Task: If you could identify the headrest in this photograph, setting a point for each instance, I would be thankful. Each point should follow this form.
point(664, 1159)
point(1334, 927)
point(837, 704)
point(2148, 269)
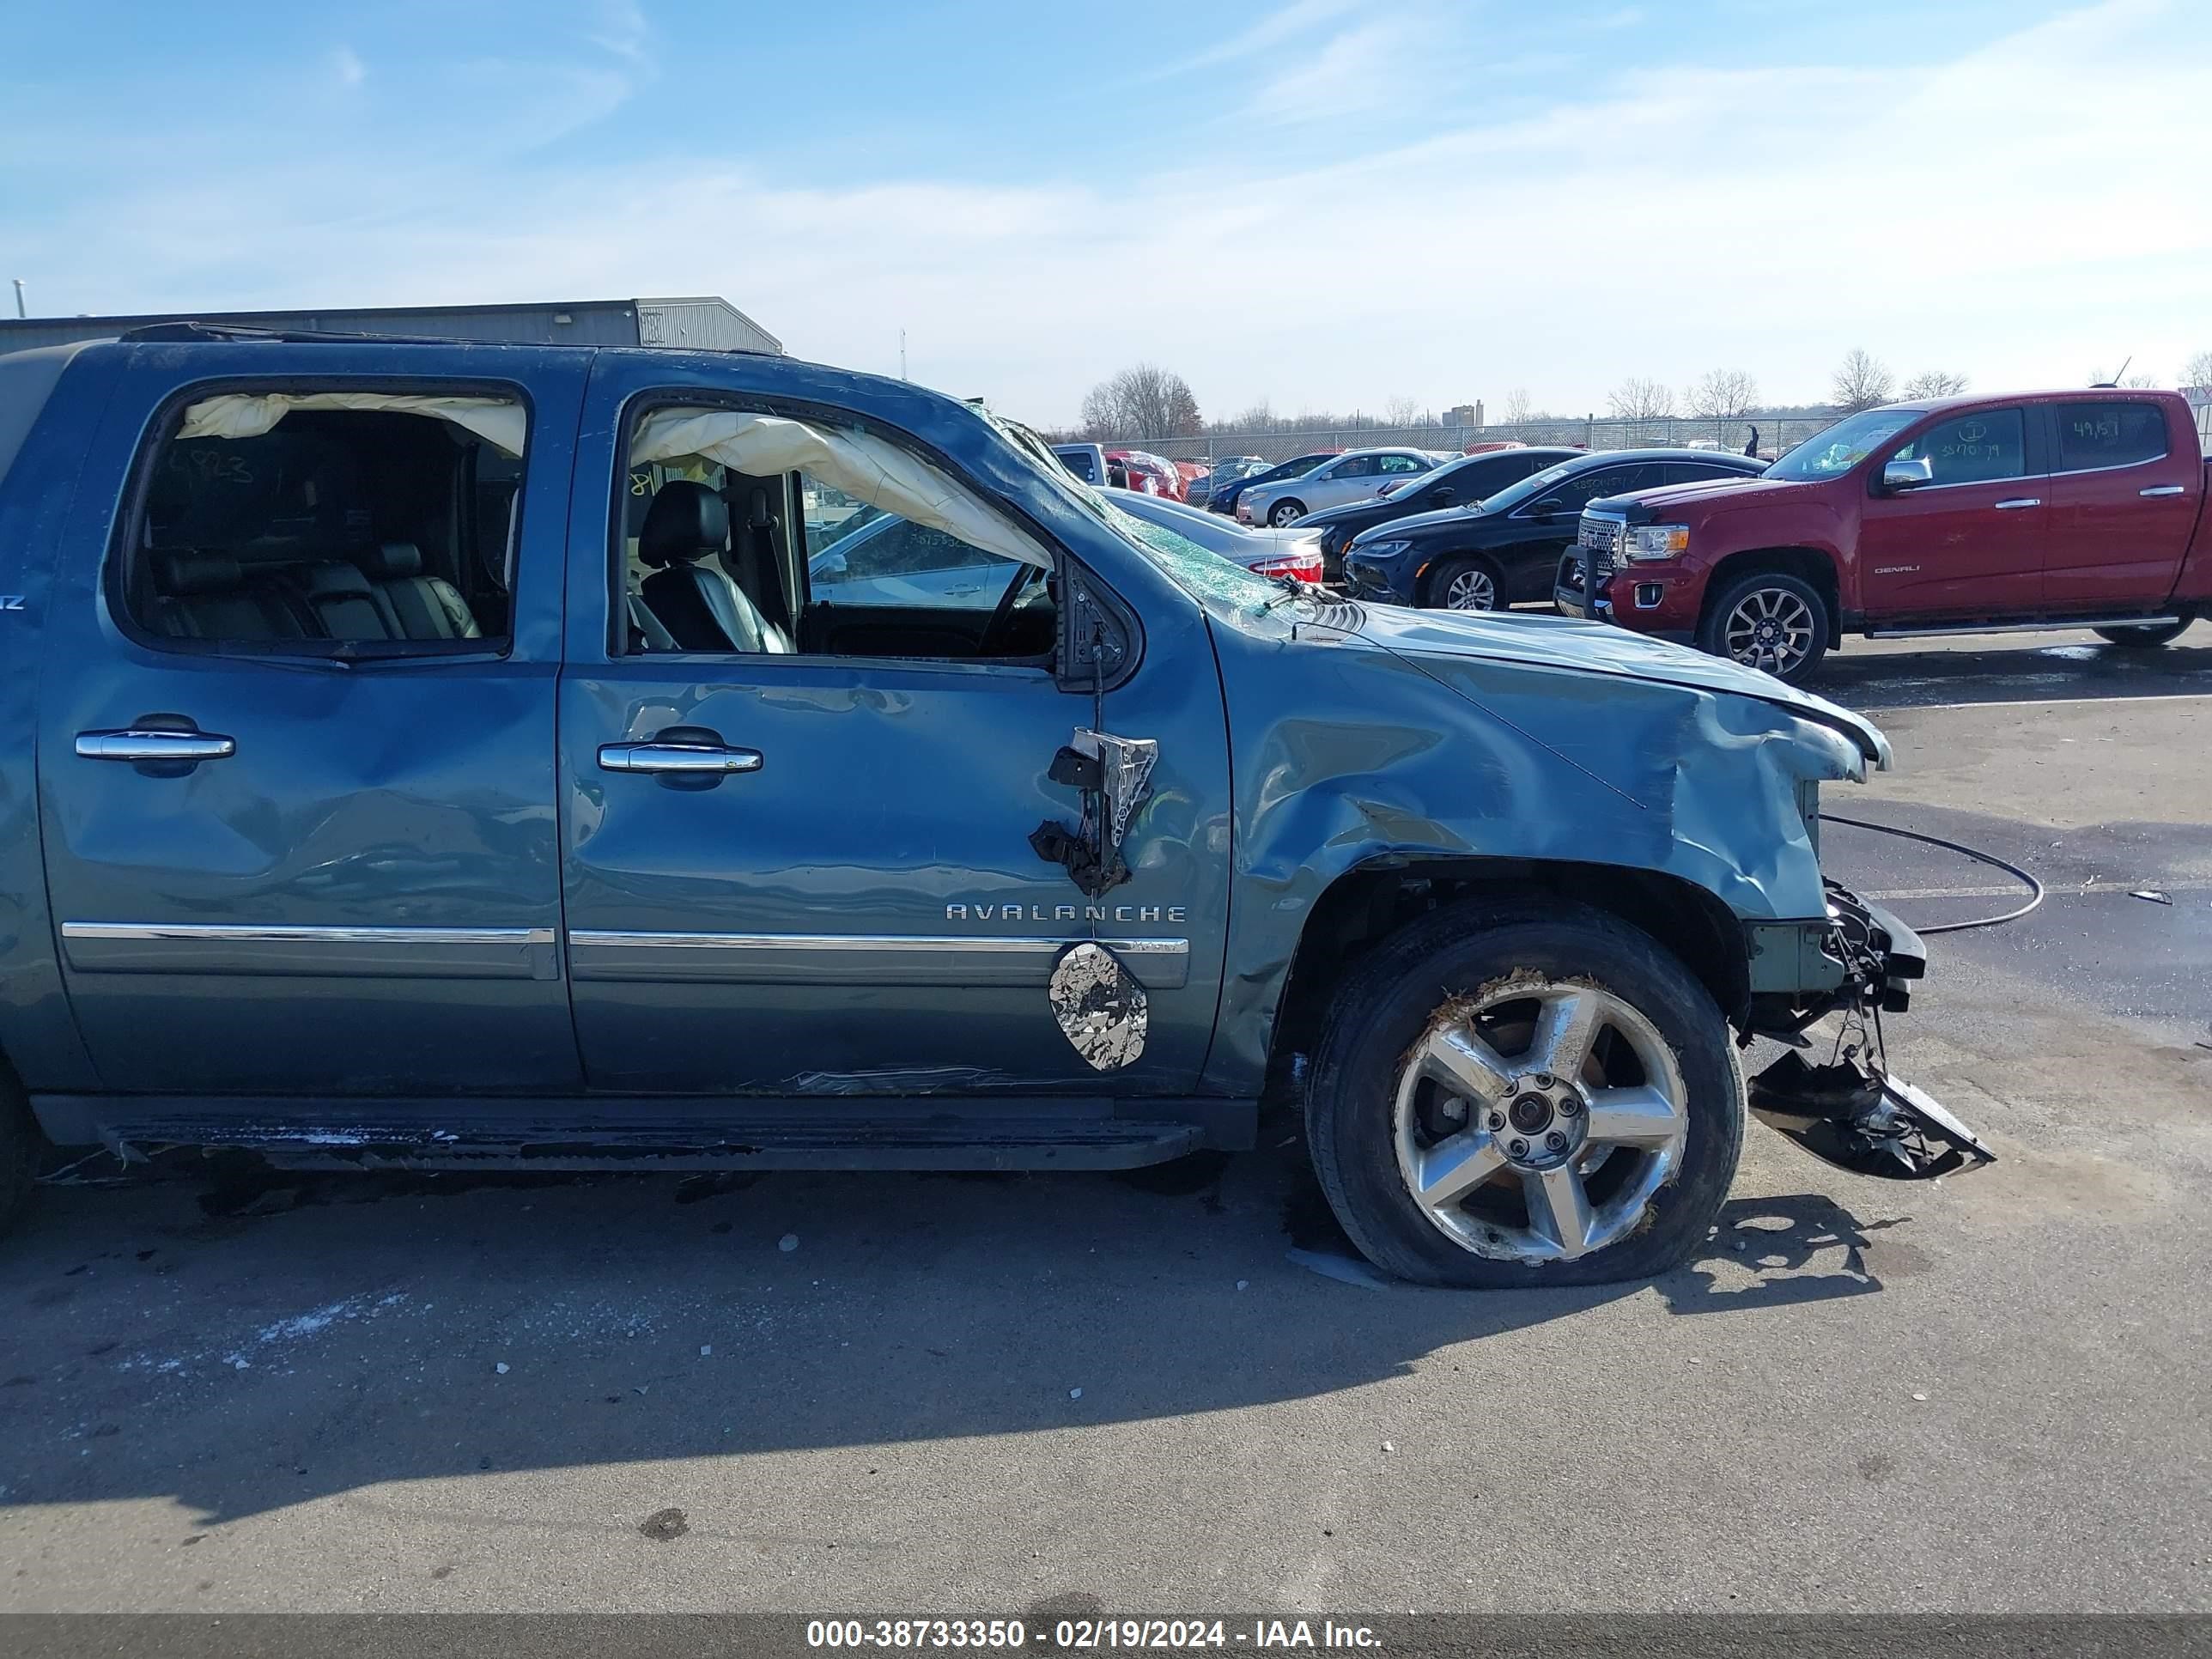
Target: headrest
point(333, 581)
point(392, 562)
point(758, 516)
point(197, 572)
point(686, 521)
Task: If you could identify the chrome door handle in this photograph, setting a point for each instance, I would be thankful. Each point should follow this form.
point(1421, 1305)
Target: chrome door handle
point(2165, 490)
point(139, 744)
point(2019, 501)
point(694, 760)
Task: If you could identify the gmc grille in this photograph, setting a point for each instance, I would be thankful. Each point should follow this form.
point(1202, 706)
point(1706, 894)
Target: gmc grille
point(1601, 540)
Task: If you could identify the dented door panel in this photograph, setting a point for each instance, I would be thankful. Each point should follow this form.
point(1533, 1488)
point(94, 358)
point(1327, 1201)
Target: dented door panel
point(864, 913)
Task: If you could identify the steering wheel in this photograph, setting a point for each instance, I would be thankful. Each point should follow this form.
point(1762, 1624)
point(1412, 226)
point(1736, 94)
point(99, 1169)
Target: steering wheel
point(1002, 614)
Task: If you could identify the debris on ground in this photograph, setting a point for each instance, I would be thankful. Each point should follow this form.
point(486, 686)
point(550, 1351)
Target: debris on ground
point(2152, 894)
point(664, 1526)
point(501, 1368)
point(787, 1243)
point(1075, 1394)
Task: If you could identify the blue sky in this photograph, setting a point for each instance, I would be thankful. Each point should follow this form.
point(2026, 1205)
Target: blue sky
point(1317, 204)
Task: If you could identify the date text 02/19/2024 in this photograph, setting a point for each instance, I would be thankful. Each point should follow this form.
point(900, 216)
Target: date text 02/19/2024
point(1087, 1635)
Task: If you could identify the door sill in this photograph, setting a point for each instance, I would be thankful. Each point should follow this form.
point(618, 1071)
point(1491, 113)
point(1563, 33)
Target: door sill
point(661, 1132)
point(2040, 625)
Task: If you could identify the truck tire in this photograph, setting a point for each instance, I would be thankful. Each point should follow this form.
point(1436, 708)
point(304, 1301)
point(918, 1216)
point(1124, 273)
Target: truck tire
point(20, 1144)
point(1284, 513)
point(1769, 620)
point(2141, 639)
point(1453, 1155)
point(1466, 584)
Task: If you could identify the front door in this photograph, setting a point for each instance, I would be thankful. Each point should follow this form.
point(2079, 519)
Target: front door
point(1970, 543)
point(296, 743)
point(850, 903)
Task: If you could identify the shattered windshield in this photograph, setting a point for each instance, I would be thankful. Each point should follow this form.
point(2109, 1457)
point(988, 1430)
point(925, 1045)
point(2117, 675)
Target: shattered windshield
point(1202, 575)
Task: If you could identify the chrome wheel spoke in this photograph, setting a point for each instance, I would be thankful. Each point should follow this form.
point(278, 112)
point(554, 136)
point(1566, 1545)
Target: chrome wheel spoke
point(1472, 1126)
point(1453, 1168)
point(1559, 1208)
point(1467, 1065)
point(1638, 1115)
point(1565, 1028)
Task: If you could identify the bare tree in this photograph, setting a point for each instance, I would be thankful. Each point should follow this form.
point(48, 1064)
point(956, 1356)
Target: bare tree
point(2143, 380)
point(2198, 371)
point(1862, 382)
point(1401, 411)
point(1724, 394)
point(1935, 383)
point(1146, 403)
point(1514, 410)
point(1641, 400)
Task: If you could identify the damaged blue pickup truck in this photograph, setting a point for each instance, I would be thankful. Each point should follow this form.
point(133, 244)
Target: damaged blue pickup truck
point(429, 753)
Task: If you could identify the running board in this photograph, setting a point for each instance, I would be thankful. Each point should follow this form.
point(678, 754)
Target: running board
point(2070, 626)
point(658, 1133)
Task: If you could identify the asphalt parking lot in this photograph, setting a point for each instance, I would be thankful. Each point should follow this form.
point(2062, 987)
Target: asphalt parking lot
point(1178, 1393)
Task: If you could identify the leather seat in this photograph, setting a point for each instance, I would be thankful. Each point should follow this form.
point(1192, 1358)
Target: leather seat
point(686, 532)
point(341, 602)
point(206, 596)
point(417, 606)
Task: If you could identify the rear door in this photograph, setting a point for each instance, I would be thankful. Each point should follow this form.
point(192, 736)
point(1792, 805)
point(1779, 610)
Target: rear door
point(1970, 543)
point(2124, 498)
point(299, 822)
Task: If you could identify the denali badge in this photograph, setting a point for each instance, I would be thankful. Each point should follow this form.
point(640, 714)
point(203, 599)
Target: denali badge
point(12, 601)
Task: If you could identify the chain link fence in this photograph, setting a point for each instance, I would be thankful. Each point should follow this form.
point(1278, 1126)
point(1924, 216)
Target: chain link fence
point(1775, 434)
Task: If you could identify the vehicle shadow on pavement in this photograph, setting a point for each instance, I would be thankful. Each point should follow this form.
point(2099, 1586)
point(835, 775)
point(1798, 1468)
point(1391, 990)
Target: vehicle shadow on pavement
point(239, 1349)
point(2023, 666)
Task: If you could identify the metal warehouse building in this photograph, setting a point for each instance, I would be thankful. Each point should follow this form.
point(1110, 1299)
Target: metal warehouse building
point(705, 324)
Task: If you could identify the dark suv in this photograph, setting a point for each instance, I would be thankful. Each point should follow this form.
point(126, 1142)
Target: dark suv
point(1507, 549)
point(1455, 483)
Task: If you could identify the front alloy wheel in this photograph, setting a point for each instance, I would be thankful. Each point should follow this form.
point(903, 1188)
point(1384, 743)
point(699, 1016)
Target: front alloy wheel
point(1771, 621)
point(1524, 1091)
point(1284, 513)
point(1467, 586)
point(1535, 1125)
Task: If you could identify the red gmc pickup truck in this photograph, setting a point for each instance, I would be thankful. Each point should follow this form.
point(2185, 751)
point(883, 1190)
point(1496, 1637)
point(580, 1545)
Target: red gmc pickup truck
point(2043, 509)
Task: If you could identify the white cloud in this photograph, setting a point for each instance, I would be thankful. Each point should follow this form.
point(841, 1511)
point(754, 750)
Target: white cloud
point(1358, 71)
point(346, 65)
point(2017, 214)
point(1273, 30)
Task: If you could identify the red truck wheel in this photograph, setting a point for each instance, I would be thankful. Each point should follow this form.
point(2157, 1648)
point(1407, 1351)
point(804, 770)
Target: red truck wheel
point(1769, 620)
point(2141, 638)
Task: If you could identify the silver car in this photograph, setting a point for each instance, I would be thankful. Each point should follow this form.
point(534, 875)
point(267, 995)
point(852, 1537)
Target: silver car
point(1359, 475)
point(1263, 552)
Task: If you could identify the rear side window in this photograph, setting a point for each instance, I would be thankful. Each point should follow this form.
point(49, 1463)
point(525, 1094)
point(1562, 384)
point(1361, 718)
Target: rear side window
point(308, 520)
point(2109, 434)
point(1981, 447)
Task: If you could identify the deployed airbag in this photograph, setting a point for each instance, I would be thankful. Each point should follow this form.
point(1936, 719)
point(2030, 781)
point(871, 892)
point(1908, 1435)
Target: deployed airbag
point(249, 414)
point(864, 466)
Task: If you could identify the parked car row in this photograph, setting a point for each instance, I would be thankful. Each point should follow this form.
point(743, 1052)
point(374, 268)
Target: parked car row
point(1990, 514)
point(2057, 509)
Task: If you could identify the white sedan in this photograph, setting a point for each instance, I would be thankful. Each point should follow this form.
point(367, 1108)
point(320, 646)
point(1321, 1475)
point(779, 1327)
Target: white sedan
point(1358, 475)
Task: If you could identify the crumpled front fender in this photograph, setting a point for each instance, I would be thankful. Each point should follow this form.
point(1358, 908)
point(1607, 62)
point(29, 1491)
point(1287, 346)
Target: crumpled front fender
point(1347, 753)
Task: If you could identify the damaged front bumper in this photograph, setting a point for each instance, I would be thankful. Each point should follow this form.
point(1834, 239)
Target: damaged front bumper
point(1847, 1109)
